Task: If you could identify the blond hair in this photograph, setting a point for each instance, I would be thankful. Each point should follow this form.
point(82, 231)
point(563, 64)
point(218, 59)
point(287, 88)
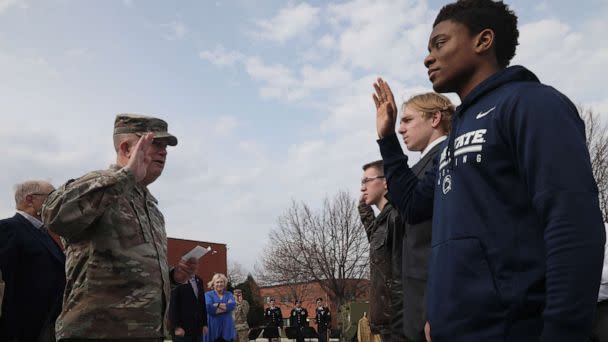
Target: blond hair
point(431, 103)
point(216, 277)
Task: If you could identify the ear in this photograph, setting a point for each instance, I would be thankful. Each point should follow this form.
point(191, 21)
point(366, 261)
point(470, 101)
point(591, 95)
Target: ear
point(124, 148)
point(29, 200)
point(436, 119)
point(484, 41)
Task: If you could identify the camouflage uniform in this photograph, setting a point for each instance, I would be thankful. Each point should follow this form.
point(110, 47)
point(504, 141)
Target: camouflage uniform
point(118, 281)
point(240, 320)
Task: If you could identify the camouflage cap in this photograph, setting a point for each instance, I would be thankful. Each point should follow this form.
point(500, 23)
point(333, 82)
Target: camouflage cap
point(138, 124)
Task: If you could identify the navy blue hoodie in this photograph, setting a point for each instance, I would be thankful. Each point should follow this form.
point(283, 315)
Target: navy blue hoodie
point(518, 237)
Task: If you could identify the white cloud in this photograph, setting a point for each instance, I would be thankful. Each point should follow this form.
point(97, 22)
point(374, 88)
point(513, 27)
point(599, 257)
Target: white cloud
point(277, 80)
point(388, 37)
point(225, 125)
point(220, 57)
point(177, 30)
point(567, 59)
point(327, 42)
point(78, 53)
point(289, 22)
point(7, 4)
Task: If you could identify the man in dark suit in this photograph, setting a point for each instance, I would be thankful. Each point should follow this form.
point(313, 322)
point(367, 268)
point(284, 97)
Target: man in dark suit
point(188, 311)
point(424, 124)
point(32, 266)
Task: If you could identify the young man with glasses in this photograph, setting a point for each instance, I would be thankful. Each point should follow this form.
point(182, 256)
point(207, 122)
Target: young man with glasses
point(385, 235)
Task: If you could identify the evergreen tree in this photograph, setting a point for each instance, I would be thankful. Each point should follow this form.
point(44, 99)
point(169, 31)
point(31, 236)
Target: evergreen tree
point(251, 292)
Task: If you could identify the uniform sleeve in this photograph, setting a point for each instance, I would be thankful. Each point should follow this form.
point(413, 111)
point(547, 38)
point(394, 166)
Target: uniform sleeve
point(547, 138)
point(72, 208)
point(367, 218)
point(413, 197)
point(245, 308)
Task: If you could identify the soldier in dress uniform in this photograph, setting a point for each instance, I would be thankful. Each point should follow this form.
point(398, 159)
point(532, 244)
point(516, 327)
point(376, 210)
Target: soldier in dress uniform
point(274, 320)
point(298, 319)
point(323, 318)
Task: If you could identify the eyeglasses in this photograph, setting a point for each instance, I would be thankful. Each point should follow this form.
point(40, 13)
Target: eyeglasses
point(40, 194)
point(369, 179)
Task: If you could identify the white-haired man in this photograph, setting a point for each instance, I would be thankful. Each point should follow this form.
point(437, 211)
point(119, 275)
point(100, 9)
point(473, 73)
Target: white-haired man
point(32, 266)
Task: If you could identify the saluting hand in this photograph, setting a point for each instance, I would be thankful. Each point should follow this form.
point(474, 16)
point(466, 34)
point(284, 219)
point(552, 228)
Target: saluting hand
point(386, 109)
point(140, 157)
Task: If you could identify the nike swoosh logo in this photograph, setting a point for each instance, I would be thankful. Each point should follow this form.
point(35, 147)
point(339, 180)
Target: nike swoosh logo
point(482, 114)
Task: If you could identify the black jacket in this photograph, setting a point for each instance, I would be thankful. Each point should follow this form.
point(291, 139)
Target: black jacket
point(416, 255)
point(297, 318)
point(274, 317)
point(33, 269)
point(323, 318)
point(186, 310)
point(385, 236)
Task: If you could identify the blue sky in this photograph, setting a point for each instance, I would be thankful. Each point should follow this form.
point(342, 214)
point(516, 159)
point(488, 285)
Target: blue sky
point(271, 100)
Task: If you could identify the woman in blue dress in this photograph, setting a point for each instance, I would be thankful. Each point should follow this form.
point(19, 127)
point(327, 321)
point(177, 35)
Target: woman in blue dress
point(220, 304)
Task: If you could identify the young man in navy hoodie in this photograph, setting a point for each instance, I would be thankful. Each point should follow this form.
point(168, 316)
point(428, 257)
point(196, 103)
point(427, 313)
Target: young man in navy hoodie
point(518, 238)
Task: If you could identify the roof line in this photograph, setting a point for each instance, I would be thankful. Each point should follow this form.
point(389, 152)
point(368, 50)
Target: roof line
point(213, 243)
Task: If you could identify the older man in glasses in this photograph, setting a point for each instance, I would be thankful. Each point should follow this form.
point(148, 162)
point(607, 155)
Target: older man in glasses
point(32, 266)
point(118, 277)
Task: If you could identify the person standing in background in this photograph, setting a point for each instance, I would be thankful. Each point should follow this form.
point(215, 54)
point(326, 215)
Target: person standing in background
point(33, 269)
point(240, 316)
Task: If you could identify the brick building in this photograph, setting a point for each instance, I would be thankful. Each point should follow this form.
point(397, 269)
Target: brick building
point(211, 263)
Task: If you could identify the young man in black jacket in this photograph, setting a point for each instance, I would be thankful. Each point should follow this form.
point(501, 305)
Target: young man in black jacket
point(518, 238)
point(385, 235)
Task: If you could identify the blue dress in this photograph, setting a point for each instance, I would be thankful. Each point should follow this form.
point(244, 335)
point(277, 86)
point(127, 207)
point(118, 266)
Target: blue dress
point(220, 325)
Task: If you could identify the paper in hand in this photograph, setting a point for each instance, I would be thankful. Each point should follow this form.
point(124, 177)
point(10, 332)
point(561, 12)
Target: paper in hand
point(196, 252)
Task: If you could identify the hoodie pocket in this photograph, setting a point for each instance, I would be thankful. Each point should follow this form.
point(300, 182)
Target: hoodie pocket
point(463, 295)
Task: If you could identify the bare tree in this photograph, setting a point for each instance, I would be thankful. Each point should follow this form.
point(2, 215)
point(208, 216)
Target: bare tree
point(597, 142)
point(236, 273)
point(327, 246)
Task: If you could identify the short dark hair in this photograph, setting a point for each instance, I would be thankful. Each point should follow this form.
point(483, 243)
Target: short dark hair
point(378, 164)
point(478, 15)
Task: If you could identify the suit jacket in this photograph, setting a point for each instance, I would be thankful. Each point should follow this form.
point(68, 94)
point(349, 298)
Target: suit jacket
point(186, 310)
point(415, 257)
point(33, 269)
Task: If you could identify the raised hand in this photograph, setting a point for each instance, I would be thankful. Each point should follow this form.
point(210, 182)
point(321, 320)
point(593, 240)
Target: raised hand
point(386, 109)
point(184, 270)
point(140, 157)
